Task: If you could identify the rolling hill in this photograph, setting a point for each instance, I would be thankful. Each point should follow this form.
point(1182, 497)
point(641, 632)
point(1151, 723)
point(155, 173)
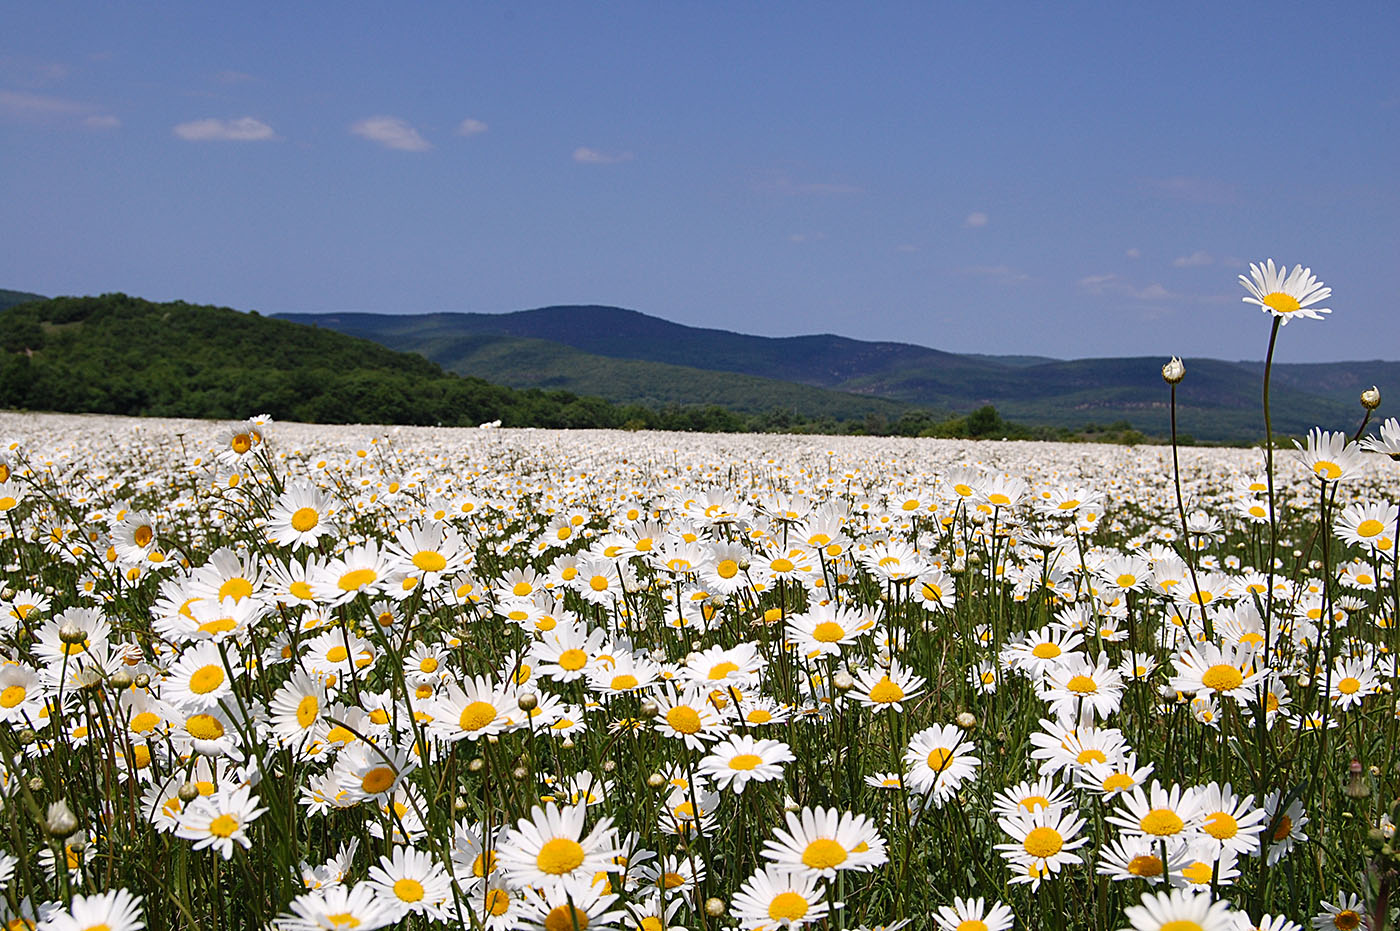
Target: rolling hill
point(627, 356)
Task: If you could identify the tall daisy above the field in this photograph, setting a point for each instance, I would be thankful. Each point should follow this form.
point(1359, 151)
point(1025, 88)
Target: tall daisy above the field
point(1284, 294)
point(1329, 456)
point(300, 517)
point(220, 820)
point(741, 759)
point(116, 910)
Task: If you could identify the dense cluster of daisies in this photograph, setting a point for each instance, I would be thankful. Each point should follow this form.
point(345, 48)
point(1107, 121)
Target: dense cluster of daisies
point(309, 678)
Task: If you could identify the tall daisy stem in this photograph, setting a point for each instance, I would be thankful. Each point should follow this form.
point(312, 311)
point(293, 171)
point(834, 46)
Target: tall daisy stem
point(1269, 478)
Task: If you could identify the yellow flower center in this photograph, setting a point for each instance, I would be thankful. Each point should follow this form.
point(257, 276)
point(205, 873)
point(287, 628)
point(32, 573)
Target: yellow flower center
point(430, 561)
point(1347, 920)
point(241, 443)
point(823, 854)
point(1198, 873)
point(497, 901)
point(1328, 470)
point(236, 588)
point(140, 724)
point(377, 780)
point(1222, 825)
point(787, 906)
point(1285, 826)
point(1117, 781)
point(337, 654)
point(1145, 865)
point(356, 579)
point(1349, 686)
point(939, 758)
point(599, 583)
point(484, 863)
point(745, 761)
point(223, 826)
point(1161, 822)
point(720, 670)
point(623, 682)
point(408, 890)
point(304, 519)
point(1091, 755)
point(563, 918)
point(476, 716)
point(1082, 685)
point(683, 719)
point(1043, 842)
point(559, 855)
point(782, 564)
point(204, 727)
point(206, 679)
point(572, 660)
point(1033, 802)
point(886, 691)
point(971, 924)
point(828, 632)
point(1369, 528)
point(12, 696)
point(1281, 303)
point(1045, 651)
point(1222, 678)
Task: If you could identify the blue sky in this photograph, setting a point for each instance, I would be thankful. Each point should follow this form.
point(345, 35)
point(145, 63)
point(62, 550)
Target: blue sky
point(1061, 179)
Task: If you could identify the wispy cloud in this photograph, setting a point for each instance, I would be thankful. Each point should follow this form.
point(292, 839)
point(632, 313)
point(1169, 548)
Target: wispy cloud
point(783, 184)
point(392, 133)
point(976, 220)
point(587, 156)
point(1197, 259)
point(470, 127)
point(25, 106)
point(243, 129)
point(995, 272)
point(1112, 285)
point(1133, 253)
point(1193, 189)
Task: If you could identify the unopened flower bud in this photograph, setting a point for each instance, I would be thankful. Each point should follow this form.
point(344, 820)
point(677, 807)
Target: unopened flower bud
point(656, 780)
point(1174, 371)
point(121, 679)
point(520, 774)
point(843, 681)
point(610, 766)
point(60, 821)
point(649, 709)
point(71, 633)
point(36, 784)
point(714, 907)
point(142, 680)
point(187, 792)
point(567, 743)
point(476, 765)
point(459, 804)
point(967, 720)
point(1371, 398)
point(528, 701)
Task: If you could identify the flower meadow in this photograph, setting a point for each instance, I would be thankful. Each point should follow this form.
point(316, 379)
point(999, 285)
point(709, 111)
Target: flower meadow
point(276, 675)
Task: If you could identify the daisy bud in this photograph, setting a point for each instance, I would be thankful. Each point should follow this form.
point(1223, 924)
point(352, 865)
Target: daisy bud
point(1173, 372)
point(745, 562)
point(649, 709)
point(843, 681)
point(188, 792)
point(1371, 398)
point(790, 804)
point(36, 784)
point(121, 679)
point(459, 804)
point(60, 821)
point(520, 774)
point(142, 680)
point(71, 633)
point(967, 720)
point(476, 765)
point(610, 766)
point(656, 780)
point(528, 701)
point(27, 736)
point(492, 739)
point(714, 907)
point(567, 743)
point(1356, 787)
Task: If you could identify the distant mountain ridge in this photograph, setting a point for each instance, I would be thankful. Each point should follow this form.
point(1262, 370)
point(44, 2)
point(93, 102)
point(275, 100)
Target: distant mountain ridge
point(628, 356)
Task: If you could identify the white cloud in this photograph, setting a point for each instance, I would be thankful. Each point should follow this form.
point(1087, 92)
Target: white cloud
point(392, 133)
point(1111, 285)
point(1134, 253)
point(470, 127)
point(102, 122)
point(1196, 259)
point(996, 272)
point(23, 103)
point(976, 219)
point(586, 156)
point(243, 129)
